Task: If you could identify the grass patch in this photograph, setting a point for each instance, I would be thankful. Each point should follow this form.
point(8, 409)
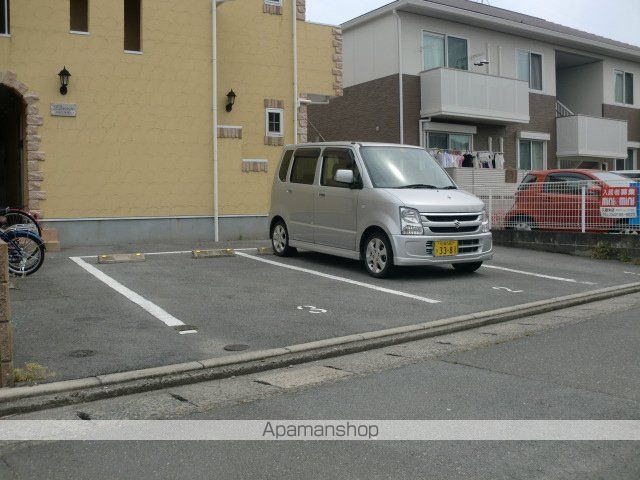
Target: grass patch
point(32, 372)
point(602, 251)
point(624, 256)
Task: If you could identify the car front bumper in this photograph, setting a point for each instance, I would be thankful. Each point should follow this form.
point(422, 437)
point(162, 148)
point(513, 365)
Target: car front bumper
point(418, 250)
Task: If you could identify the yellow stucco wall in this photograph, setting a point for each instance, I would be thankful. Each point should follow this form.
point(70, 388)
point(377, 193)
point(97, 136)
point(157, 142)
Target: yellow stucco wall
point(141, 144)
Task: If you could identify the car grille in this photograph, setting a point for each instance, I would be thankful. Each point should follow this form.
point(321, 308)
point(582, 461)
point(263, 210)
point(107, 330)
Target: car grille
point(451, 223)
point(464, 247)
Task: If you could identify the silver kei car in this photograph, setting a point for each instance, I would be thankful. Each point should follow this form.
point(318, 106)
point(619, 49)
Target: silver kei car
point(386, 205)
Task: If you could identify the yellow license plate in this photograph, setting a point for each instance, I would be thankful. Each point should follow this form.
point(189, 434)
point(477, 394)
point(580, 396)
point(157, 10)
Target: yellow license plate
point(445, 249)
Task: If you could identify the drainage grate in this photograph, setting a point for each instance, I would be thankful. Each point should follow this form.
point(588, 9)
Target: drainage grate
point(236, 347)
point(82, 353)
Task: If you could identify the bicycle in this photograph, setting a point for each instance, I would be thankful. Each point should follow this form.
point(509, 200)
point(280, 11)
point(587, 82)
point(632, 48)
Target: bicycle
point(26, 251)
point(18, 218)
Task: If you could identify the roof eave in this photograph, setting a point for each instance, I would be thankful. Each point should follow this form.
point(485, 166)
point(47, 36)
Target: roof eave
point(445, 12)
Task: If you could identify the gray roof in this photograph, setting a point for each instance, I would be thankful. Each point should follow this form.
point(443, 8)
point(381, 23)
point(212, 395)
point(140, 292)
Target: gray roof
point(487, 12)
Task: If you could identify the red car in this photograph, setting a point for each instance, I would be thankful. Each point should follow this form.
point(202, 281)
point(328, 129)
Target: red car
point(553, 200)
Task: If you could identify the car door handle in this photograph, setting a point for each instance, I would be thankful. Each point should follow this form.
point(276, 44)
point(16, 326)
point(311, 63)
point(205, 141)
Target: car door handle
point(322, 194)
point(289, 190)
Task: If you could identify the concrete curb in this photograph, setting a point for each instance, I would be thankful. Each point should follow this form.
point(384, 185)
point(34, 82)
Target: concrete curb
point(25, 399)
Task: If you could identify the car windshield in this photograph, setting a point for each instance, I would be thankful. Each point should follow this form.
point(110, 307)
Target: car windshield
point(402, 167)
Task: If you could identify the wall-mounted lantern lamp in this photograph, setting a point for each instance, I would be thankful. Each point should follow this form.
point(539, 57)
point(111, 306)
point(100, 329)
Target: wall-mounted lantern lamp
point(231, 99)
point(64, 80)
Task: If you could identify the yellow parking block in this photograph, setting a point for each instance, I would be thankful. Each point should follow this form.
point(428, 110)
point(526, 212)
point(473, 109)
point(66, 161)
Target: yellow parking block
point(214, 253)
point(121, 258)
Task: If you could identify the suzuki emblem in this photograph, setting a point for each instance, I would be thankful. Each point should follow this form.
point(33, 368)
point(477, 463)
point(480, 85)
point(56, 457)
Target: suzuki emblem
point(457, 224)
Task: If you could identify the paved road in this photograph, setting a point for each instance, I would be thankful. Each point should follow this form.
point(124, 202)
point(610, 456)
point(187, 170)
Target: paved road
point(68, 321)
point(579, 369)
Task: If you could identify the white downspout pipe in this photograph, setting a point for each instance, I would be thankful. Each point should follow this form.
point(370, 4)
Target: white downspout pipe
point(214, 95)
point(400, 85)
point(296, 102)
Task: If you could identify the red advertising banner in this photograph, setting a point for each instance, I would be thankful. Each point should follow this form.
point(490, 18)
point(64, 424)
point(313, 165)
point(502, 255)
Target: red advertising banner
point(619, 202)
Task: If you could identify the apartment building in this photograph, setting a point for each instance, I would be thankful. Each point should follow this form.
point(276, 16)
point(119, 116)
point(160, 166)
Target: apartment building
point(155, 120)
point(460, 75)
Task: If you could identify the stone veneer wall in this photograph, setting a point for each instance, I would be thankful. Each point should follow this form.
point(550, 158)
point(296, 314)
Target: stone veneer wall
point(6, 336)
point(33, 154)
point(631, 115)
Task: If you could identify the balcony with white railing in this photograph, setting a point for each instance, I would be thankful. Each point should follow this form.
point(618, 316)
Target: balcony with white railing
point(596, 137)
point(463, 95)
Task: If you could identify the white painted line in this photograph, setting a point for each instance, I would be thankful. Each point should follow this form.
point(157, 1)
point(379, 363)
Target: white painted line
point(539, 275)
point(178, 252)
point(339, 279)
point(152, 308)
point(188, 332)
point(633, 273)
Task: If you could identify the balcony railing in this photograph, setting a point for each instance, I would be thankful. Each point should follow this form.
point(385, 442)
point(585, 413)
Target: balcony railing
point(464, 95)
point(585, 136)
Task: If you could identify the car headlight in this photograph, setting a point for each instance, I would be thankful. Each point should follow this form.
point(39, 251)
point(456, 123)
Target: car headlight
point(484, 227)
point(410, 222)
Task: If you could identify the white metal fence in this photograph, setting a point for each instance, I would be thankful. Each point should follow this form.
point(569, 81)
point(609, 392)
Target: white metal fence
point(579, 205)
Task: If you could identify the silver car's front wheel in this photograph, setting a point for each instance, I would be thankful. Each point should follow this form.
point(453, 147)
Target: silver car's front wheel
point(378, 258)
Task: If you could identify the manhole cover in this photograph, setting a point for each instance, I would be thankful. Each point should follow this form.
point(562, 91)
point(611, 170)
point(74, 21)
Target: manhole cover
point(82, 353)
point(236, 348)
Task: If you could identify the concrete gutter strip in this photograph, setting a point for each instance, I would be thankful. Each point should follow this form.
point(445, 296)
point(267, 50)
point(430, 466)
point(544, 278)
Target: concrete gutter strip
point(116, 384)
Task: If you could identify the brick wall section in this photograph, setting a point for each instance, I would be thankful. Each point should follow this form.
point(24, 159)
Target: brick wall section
point(631, 115)
point(412, 104)
point(367, 112)
point(6, 336)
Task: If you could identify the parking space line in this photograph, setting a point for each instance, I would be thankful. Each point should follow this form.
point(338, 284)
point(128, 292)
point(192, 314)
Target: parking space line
point(539, 275)
point(132, 296)
point(339, 279)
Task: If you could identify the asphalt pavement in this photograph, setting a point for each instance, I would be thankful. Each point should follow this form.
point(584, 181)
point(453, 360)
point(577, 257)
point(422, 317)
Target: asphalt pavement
point(69, 321)
point(583, 369)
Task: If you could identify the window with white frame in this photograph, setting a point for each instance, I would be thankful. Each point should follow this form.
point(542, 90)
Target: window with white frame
point(628, 163)
point(449, 141)
point(277, 3)
point(623, 87)
point(4, 18)
point(530, 68)
point(274, 122)
point(79, 16)
point(444, 51)
point(532, 155)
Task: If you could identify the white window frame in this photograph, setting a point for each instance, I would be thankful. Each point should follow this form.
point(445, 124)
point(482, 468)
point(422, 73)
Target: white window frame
point(624, 73)
point(532, 52)
point(448, 134)
point(545, 144)
point(634, 160)
point(276, 3)
point(279, 111)
point(80, 32)
point(446, 48)
point(6, 19)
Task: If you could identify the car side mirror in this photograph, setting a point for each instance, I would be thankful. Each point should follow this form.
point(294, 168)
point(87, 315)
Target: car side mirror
point(345, 176)
point(595, 190)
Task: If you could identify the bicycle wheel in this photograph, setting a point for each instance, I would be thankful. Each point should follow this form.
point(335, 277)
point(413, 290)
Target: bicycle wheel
point(26, 252)
point(14, 219)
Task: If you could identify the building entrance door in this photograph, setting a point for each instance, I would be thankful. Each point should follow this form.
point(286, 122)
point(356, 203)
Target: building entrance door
point(12, 179)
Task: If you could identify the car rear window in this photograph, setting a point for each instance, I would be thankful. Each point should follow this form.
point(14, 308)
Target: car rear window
point(527, 182)
point(304, 166)
point(284, 166)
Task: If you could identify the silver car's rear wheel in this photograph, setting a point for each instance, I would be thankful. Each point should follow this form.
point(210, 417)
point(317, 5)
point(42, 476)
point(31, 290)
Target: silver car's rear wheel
point(280, 240)
point(378, 257)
